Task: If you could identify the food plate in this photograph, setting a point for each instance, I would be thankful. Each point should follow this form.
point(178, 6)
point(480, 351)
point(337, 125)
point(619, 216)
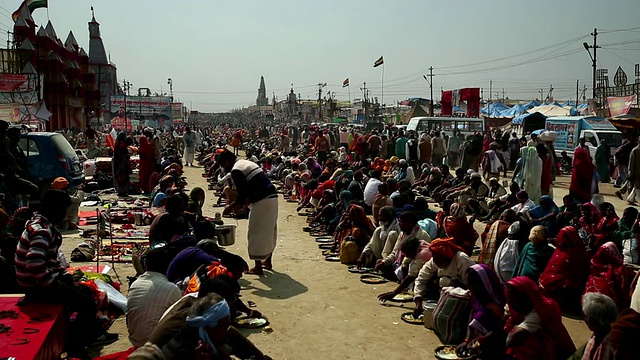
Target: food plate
point(409, 319)
point(325, 246)
point(404, 297)
point(324, 239)
point(448, 352)
point(330, 253)
point(332, 258)
point(363, 270)
point(318, 234)
point(250, 323)
point(373, 279)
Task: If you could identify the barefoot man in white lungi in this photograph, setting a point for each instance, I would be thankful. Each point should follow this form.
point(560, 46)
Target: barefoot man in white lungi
point(255, 188)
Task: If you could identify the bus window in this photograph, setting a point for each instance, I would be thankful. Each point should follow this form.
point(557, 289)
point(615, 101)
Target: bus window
point(475, 126)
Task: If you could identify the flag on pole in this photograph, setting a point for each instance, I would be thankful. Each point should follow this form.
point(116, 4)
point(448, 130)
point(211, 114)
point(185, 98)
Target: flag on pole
point(345, 83)
point(31, 5)
point(379, 62)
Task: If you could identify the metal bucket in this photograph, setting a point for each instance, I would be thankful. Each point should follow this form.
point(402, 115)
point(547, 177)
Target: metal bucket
point(428, 307)
point(226, 234)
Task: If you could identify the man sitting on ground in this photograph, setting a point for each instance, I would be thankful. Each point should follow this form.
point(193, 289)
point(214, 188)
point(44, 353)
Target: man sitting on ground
point(149, 296)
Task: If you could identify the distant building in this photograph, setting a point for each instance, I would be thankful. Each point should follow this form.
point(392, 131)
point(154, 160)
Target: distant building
point(106, 72)
point(262, 94)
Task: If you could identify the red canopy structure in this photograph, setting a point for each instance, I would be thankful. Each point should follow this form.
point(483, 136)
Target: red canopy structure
point(469, 97)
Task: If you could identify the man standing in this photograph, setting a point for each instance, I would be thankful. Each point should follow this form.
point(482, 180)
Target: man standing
point(437, 149)
point(453, 149)
point(322, 145)
point(634, 175)
point(401, 143)
point(375, 142)
point(412, 150)
point(189, 139)
point(514, 149)
point(91, 136)
point(425, 149)
point(254, 187)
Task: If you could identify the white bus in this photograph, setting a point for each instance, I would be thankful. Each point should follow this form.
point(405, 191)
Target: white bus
point(446, 124)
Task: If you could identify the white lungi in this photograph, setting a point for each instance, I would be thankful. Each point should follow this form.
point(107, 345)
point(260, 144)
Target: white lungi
point(189, 154)
point(262, 234)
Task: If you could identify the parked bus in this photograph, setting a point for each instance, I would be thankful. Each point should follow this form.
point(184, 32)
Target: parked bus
point(447, 124)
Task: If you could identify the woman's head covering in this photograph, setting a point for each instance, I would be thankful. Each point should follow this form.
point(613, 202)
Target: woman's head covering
point(626, 331)
point(346, 196)
point(193, 194)
point(484, 319)
point(457, 211)
point(209, 319)
point(522, 195)
point(444, 247)
point(538, 235)
point(159, 199)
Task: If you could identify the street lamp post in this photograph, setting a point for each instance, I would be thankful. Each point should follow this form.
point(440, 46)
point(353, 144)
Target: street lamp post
point(430, 81)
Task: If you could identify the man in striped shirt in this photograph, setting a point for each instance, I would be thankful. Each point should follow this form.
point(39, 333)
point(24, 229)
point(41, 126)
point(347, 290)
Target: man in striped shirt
point(43, 278)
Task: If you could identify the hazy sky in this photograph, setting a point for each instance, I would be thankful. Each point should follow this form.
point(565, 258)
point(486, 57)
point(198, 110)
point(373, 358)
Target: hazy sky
point(216, 50)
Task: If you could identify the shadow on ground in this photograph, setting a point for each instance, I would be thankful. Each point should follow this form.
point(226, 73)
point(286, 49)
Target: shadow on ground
point(281, 286)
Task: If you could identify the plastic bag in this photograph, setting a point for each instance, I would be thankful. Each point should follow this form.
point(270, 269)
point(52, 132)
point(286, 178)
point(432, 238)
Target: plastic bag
point(115, 297)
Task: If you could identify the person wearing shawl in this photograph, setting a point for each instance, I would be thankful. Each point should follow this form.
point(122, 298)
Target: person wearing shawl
point(447, 267)
point(535, 255)
point(398, 264)
point(459, 229)
point(495, 235)
point(567, 271)
point(121, 164)
point(626, 226)
point(207, 329)
point(418, 253)
point(590, 218)
point(547, 169)
point(608, 275)
point(532, 174)
point(508, 252)
point(382, 199)
point(544, 214)
point(383, 239)
point(582, 174)
point(607, 226)
point(624, 335)
point(534, 324)
point(196, 201)
point(484, 333)
point(147, 159)
point(599, 312)
point(356, 225)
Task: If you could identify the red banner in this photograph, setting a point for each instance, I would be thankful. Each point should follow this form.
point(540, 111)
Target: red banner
point(619, 106)
point(11, 82)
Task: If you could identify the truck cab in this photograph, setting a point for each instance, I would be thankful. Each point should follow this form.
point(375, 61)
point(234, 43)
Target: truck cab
point(593, 129)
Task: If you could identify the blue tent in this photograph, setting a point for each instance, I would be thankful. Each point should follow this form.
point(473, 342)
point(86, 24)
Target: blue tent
point(494, 109)
point(457, 109)
point(583, 106)
point(514, 111)
point(531, 104)
point(568, 103)
point(519, 120)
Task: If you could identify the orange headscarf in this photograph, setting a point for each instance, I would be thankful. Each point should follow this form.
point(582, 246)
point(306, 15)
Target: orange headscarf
point(444, 247)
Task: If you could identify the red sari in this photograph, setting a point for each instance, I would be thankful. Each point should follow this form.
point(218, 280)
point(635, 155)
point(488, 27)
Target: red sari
point(553, 340)
point(462, 232)
point(568, 269)
point(609, 276)
point(582, 175)
point(146, 152)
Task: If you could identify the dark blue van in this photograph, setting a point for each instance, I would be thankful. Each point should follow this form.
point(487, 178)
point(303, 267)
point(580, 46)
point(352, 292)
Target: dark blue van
point(49, 155)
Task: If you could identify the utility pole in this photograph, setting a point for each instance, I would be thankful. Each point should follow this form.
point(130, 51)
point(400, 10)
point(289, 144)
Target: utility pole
point(577, 92)
point(503, 95)
point(541, 95)
point(490, 89)
point(366, 100)
point(126, 87)
point(594, 58)
point(550, 92)
point(320, 86)
point(431, 90)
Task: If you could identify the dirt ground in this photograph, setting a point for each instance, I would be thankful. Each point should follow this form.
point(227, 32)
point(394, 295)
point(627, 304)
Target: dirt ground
point(318, 308)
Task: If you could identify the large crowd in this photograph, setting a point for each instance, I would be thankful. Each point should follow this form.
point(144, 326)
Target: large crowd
point(401, 205)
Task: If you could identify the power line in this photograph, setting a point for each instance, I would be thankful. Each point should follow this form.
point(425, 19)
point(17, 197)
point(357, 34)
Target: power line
point(619, 57)
point(608, 31)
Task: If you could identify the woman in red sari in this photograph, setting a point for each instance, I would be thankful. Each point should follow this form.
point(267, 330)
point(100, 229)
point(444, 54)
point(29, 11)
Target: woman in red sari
point(534, 326)
point(609, 276)
point(458, 227)
point(582, 175)
point(564, 278)
point(606, 227)
point(355, 223)
point(147, 160)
